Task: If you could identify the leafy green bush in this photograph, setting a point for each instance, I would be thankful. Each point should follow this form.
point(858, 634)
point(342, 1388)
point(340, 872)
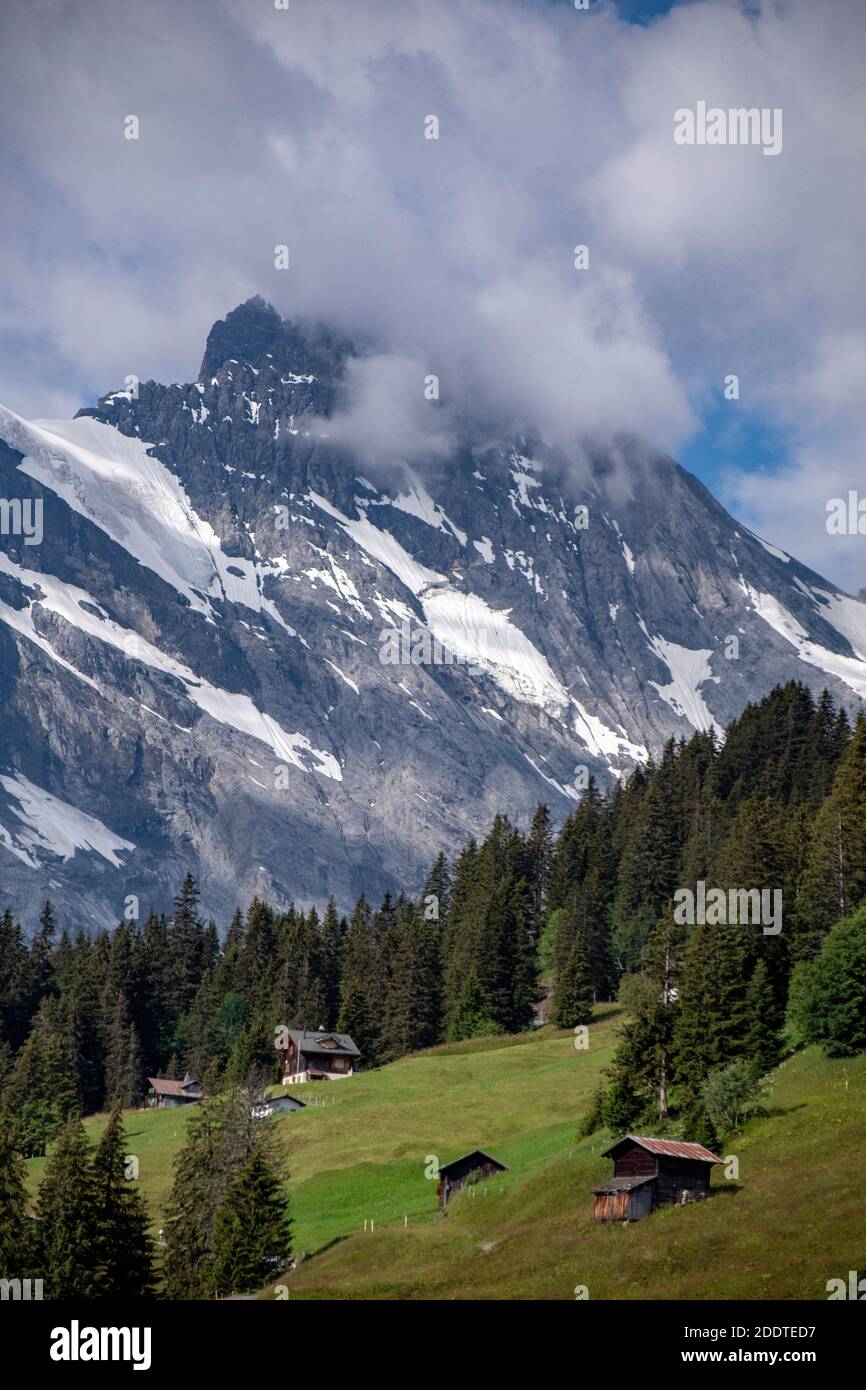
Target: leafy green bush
point(827, 1001)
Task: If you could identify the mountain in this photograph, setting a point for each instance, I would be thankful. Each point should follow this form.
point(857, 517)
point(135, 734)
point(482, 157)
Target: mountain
point(207, 658)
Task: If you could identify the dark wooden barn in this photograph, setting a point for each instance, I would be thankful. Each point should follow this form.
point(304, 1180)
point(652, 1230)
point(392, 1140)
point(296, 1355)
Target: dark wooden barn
point(470, 1168)
point(648, 1173)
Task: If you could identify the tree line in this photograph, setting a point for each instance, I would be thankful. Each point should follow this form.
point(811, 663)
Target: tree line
point(522, 925)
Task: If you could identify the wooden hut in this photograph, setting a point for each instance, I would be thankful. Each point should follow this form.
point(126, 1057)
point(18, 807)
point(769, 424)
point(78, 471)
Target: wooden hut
point(275, 1105)
point(469, 1168)
point(648, 1173)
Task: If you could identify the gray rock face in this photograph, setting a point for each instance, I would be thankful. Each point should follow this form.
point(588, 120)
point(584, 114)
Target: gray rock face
point(234, 652)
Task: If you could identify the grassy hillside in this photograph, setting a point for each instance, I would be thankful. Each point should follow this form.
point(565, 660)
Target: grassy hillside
point(360, 1154)
point(796, 1218)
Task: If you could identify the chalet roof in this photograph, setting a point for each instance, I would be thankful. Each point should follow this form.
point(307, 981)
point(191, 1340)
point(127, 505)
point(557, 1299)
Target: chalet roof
point(165, 1087)
point(624, 1184)
point(276, 1100)
point(668, 1148)
point(473, 1153)
point(324, 1042)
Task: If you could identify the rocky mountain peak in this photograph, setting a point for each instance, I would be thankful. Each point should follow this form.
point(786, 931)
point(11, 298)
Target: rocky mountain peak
point(234, 652)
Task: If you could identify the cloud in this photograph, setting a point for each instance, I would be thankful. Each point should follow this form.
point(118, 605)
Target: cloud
point(452, 256)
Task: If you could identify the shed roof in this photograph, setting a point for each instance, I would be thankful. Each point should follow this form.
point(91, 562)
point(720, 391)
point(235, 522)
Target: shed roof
point(624, 1184)
point(473, 1153)
point(668, 1148)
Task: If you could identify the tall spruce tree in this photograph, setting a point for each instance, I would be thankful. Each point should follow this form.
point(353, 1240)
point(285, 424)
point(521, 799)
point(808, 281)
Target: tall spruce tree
point(358, 996)
point(252, 1232)
point(834, 877)
point(714, 1013)
point(15, 1232)
point(412, 1018)
point(124, 1248)
point(66, 1226)
point(573, 995)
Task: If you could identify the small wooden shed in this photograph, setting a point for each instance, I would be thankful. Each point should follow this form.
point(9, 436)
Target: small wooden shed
point(651, 1172)
point(468, 1168)
point(275, 1105)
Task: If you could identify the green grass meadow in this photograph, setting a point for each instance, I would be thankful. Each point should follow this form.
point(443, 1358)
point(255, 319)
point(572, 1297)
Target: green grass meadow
point(795, 1218)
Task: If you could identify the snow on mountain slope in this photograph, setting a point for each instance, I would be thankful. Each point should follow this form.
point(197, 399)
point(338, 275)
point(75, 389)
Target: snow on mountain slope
point(48, 826)
point(467, 626)
point(214, 607)
point(843, 616)
point(116, 482)
point(80, 610)
point(688, 671)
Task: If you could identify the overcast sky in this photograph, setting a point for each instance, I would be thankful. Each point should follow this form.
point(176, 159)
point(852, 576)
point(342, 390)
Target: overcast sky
point(305, 127)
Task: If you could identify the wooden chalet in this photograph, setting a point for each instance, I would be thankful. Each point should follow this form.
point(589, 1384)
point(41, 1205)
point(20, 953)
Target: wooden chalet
point(469, 1168)
point(164, 1094)
point(317, 1055)
point(648, 1173)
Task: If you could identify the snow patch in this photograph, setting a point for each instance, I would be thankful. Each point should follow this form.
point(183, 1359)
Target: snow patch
point(117, 484)
point(235, 710)
point(689, 669)
point(846, 615)
point(462, 622)
point(55, 826)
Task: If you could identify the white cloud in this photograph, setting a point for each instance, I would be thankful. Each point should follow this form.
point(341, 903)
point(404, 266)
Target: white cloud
point(454, 256)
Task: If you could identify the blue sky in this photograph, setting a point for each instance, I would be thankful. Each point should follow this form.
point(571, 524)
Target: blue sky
point(305, 127)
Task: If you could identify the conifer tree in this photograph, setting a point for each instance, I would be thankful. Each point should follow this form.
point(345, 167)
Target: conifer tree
point(468, 1017)
point(256, 963)
point(412, 1005)
point(572, 997)
point(14, 982)
point(762, 1043)
point(252, 1232)
point(191, 1207)
point(331, 954)
point(358, 1015)
point(15, 1234)
point(66, 1226)
point(221, 1140)
point(124, 1249)
point(643, 1067)
point(187, 941)
point(153, 1003)
point(124, 1068)
point(436, 896)
point(42, 1092)
point(834, 878)
point(226, 973)
point(42, 979)
point(714, 1007)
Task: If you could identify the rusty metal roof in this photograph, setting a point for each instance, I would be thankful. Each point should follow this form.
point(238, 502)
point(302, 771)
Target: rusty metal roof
point(669, 1148)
